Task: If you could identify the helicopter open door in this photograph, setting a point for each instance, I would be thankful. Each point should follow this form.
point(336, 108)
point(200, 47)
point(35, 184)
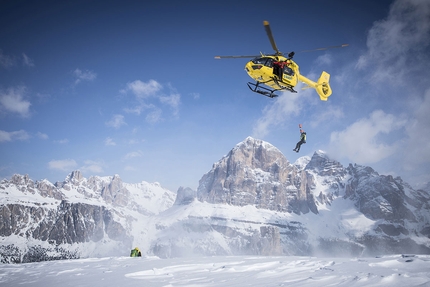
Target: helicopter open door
point(322, 86)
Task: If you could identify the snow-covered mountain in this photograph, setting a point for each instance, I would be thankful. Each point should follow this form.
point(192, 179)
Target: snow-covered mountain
point(252, 201)
point(78, 217)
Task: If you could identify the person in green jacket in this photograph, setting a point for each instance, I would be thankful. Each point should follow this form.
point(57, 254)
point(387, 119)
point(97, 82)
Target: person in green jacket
point(135, 253)
point(302, 140)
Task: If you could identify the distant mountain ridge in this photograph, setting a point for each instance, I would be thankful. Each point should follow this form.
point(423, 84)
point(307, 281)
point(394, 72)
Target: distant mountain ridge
point(253, 201)
point(312, 207)
point(73, 218)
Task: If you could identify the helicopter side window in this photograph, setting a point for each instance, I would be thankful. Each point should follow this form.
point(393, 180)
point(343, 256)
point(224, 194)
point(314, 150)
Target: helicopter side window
point(269, 63)
point(288, 71)
point(259, 61)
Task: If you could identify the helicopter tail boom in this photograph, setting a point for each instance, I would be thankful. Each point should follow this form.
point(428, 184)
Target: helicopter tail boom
point(322, 86)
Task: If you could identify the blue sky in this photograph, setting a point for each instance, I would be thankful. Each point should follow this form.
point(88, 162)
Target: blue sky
point(132, 88)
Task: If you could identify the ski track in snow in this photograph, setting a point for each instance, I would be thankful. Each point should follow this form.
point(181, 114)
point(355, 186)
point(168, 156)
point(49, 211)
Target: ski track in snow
point(395, 270)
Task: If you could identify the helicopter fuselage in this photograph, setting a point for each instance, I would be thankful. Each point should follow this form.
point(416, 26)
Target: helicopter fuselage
point(280, 73)
point(261, 70)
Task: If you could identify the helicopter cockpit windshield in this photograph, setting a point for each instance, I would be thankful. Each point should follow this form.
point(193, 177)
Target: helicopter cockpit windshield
point(266, 61)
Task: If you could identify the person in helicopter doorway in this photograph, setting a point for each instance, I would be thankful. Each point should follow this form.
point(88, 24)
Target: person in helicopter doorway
point(278, 68)
point(302, 140)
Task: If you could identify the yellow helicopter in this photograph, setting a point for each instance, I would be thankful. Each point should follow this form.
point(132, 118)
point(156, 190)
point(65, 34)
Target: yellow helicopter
point(280, 73)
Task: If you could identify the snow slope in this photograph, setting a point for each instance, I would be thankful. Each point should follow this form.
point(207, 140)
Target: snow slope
point(232, 271)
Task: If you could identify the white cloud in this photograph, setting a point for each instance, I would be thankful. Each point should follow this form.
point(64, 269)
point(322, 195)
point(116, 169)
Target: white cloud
point(173, 101)
point(397, 45)
point(145, 92)
point(140, 108)
point(360, 143)
point(141, 89)
point(330, 113)
point(84, 75)
point(6, 61)
point(12, 136)
point(276, 113)
point(92, 166)
point(116, 122)
point(42, 136)
point(129, 168)
point(136, 110)
point(324, 60)
point(133, 154)
point(64, 165)
point(63, 141)
point(109, 142)
point(27, 61)
point(13, 101)
point(154, 116)
point(417, 148)
point(195, 96)
point(135, 141)
point(398, 54)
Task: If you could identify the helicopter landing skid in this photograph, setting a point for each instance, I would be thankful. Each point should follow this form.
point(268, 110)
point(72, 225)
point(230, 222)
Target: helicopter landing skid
point(288, 88)
point(262, 90)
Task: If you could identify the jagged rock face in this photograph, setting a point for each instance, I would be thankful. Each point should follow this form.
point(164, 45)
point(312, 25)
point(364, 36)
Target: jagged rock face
point(115, 193)
point(68, 223)
point(50, 218)
point(324, 166)
point(392, 203)
point(257, 173)
point(25, 184)
point(381, 197)
point(330, 171)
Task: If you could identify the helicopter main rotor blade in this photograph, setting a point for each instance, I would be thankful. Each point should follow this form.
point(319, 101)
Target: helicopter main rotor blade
point(325, 48)
point(236, 57)
point(270, 35)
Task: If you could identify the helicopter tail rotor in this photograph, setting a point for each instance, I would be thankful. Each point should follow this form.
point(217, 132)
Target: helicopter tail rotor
point(323, 86)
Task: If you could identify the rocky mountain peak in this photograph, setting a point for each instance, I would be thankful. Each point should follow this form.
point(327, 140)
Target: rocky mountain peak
point(256, 173)
point(75, 177)
point(19, 179)
point(302, 162)
point(256, 153)
point(323, 165)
